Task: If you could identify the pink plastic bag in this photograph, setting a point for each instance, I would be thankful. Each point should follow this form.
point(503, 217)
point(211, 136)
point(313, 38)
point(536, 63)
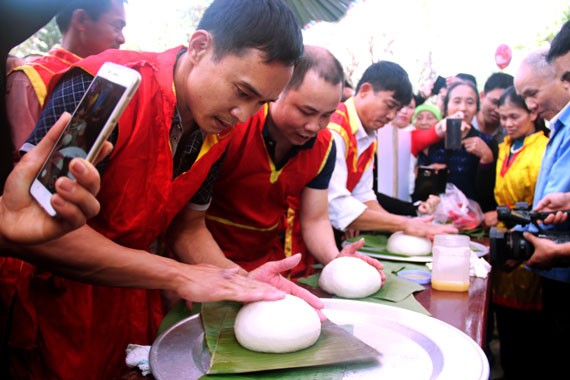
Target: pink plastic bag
point(454, 207)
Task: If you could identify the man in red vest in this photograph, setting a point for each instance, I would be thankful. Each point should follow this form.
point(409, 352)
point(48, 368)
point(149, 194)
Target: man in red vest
point(283, 152)
point(88, 27)
point(168, 148)
point(383, 89)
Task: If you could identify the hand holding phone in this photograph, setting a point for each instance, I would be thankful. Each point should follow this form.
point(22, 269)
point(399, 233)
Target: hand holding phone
point(91, 124)
point(439, 83)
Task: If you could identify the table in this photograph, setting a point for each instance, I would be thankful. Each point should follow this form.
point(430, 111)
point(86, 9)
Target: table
point(467, 311)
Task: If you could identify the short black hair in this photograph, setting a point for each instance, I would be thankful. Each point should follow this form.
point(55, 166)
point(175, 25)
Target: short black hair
point(267, 25)
point(457, 84)
point(388, 76)
point(467, 77)
point(498, 80)
point(560, 44)
point(94, 8)
point(510, 95)
point(322, 61)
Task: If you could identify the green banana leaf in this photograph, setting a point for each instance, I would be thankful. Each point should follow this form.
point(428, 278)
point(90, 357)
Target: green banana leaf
point(335, 346)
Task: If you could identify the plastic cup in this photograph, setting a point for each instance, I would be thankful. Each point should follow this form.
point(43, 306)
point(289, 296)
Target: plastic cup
point(451, 262)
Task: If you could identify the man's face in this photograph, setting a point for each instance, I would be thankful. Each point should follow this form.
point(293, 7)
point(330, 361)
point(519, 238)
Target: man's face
point(562, 65)
point(490, 106)
point(219, 93)
point(299, 114)
point(107, 31)
point(541, 92)
point(376, 109)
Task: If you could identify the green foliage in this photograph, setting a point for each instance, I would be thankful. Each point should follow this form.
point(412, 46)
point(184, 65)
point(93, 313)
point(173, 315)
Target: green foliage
point(41, 42)
point(556, 26)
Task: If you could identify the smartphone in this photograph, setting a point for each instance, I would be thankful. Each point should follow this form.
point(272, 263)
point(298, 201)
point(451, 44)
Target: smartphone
point(439, 83)
point(90, 125)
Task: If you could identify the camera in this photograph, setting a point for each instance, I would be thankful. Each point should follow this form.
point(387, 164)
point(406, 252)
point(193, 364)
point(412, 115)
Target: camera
point(507, 245)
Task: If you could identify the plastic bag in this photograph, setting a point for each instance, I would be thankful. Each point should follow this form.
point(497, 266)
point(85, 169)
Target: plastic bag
point(454, 207)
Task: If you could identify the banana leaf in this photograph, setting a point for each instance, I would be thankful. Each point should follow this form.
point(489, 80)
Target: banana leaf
point(377, 242)
point(334, 346)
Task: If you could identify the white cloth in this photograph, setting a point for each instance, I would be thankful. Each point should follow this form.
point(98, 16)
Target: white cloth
point(393, 159)
point(346, 206)
point(479, 267)
point(137, 356)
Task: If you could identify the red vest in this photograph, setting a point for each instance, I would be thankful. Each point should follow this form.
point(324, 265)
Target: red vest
point(41, 70)
point(250, 199)
point(345, 122)
point(79, 330)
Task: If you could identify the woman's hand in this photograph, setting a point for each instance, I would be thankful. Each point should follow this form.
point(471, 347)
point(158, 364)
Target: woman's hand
point(478, 147)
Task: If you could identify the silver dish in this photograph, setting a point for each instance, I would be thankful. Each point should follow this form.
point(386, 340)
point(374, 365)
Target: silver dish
point(413, 345)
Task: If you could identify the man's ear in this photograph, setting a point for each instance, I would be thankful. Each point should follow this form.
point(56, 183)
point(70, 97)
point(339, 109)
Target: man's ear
point(199, 44)
point(365, 89)
point(79, 19)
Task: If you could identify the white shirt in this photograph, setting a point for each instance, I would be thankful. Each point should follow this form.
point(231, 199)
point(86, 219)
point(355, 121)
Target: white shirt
point(346, 206)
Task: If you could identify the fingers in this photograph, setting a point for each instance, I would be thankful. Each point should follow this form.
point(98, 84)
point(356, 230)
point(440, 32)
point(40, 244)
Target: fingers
point(356, 245)
point(36, 157)
point(86, 175)
point(286, 264)
point(106, 149)
point(73, 202)
point(530, 237)
point(308, 297)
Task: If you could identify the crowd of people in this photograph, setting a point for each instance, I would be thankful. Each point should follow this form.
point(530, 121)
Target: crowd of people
point(240, 150)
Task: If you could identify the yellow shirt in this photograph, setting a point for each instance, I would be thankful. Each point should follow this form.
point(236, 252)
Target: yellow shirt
point(515, 181)
point(516, 177)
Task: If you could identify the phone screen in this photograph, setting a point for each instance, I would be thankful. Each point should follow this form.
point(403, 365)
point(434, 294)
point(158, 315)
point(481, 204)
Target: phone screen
point(82, 130)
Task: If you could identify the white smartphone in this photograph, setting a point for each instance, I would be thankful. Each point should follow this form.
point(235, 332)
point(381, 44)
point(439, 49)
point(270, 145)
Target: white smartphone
point(89, 127)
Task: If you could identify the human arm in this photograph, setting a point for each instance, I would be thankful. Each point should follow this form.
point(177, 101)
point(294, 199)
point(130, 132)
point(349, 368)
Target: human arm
point(423, 138)
point(85, 255)
point(547, 253)
point(555, 203)
point(23, 221)
point(359, 210)
point(318, 234)
point(22, 107)
point(193, 243)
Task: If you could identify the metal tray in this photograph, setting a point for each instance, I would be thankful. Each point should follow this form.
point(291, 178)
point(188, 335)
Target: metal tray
point(413, 345)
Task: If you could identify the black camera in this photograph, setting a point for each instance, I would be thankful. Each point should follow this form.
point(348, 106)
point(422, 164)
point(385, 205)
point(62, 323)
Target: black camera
point(506, 244)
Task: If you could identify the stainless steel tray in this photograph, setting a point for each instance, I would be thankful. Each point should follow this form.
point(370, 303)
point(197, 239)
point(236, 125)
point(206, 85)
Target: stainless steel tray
point(413, 345)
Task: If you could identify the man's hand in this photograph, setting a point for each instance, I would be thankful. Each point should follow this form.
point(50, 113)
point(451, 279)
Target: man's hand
point(554, 202)
point(429, 205)
point(23, 221)
point(208, 283)
point(545, 253)
point(351, 250)
point(423, 226)
point(490, 219)
point(270, 274)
